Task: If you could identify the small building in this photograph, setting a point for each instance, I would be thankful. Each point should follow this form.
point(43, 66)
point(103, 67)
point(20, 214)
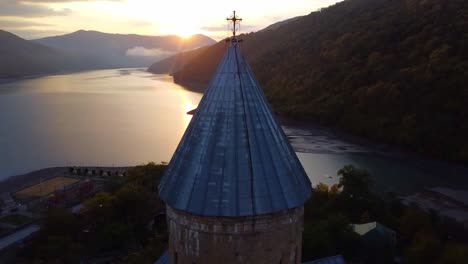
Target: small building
point(234, 189)
point(376, 242)
point(17, 237)
point(375, 235)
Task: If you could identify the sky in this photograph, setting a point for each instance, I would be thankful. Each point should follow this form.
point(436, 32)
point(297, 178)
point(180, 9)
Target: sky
point(32, 19)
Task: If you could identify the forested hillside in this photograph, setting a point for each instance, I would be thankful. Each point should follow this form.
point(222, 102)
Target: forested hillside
point(391, 70)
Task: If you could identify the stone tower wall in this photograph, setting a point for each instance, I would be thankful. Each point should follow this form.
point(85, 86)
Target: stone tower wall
point(271, 238)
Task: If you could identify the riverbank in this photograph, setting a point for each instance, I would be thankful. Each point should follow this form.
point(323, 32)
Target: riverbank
point(323, 151)
point(126, 117)
point(4, 80)
point(18, 182)
point(381, 147)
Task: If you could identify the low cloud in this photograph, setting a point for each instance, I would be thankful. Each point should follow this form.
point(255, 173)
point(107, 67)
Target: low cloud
point(215, 28)
point(243, 28)
point(34, 34)
point(13, 24)
point(144, 52)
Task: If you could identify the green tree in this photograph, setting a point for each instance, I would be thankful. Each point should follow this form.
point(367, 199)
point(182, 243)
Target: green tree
point(135, 207)
point(356, 183)
point(145, 176)
point(414, 221)
point(56, 241)
point(330, 235)
point(100, 209)
point(454, 254)
point(425, 248)
point(59, 221)
point(112, 236)
point(356, 196)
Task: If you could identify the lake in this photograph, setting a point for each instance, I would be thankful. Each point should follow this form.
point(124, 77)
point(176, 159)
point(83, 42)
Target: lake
point(125, 117)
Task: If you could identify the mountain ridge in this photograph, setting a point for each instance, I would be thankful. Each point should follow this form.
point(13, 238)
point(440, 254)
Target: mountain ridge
point(86, 50)
point(20, 57)
point(123, 50)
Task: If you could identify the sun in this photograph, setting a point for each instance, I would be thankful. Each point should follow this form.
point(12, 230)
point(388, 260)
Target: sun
point(186, 34)
point(183, 30)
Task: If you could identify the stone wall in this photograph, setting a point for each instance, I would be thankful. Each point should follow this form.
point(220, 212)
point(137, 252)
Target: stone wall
point(271, 238)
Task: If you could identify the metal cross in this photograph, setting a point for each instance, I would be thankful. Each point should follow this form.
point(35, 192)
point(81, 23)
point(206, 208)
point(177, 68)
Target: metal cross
point(235, 21)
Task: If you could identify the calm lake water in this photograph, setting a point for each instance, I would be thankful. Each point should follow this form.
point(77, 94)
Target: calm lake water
point(128, 117)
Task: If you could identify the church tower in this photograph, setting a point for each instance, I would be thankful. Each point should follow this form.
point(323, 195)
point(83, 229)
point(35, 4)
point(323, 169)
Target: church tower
point(234, 188)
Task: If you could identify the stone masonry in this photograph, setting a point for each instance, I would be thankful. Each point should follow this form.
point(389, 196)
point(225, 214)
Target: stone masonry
point(270, 238)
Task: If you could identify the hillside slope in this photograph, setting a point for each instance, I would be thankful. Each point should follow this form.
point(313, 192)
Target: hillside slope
point(176, 62)
point(20, 57)
point(391, 70)
point(124, 50)
point(209, 57)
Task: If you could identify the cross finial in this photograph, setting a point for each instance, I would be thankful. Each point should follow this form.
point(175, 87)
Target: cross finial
point(235, 21)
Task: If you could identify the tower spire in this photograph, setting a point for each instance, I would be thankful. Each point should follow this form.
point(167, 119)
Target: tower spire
point(234, 167)
point(235, 21)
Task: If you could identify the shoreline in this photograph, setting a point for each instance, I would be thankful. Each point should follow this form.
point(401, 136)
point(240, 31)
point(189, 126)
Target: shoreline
point(306, 137)
point(376, 146)
point(17, 182)
point(5, 80)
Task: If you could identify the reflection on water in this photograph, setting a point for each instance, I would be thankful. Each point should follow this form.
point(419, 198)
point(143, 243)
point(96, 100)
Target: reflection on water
point(402, 174)
point(322, 153)
point(128, 117)
point(91, 118)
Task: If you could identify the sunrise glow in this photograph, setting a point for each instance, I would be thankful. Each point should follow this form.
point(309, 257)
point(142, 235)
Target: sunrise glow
point(33, 19)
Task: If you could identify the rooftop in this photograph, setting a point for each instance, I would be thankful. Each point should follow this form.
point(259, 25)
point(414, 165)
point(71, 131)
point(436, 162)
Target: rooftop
point(234, 159)
point(329, 260)
point(363, 229)
point(18, 236)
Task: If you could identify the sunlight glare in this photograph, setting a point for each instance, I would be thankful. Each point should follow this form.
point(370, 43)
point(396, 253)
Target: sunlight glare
point(175, 17)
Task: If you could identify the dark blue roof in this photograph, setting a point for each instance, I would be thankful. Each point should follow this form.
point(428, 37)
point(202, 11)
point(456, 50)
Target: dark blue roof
point(330, 260)
point(163, 259)
point(234, 159)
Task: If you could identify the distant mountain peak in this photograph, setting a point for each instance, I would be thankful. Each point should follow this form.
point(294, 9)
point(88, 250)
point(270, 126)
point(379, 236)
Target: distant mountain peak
point(21, 57)
point(87, 31)
point(119, 50)
point(83, 32)
point(5, 34)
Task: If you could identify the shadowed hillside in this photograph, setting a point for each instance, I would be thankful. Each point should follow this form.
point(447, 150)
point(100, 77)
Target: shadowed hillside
point(176, 62)
point(391, 70)
point(120, 50)
point(199, 71)
point(19, 57)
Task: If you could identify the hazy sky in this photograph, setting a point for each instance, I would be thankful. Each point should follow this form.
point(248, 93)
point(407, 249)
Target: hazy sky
point(39, 18)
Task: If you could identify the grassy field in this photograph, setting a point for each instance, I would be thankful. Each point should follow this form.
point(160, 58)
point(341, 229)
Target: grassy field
point(47, 187)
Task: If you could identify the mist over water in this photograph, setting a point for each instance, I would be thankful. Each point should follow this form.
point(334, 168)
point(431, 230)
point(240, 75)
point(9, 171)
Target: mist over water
point(128, 117)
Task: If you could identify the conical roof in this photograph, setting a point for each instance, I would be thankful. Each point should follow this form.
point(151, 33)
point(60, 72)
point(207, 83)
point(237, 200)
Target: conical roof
point(234, 159)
